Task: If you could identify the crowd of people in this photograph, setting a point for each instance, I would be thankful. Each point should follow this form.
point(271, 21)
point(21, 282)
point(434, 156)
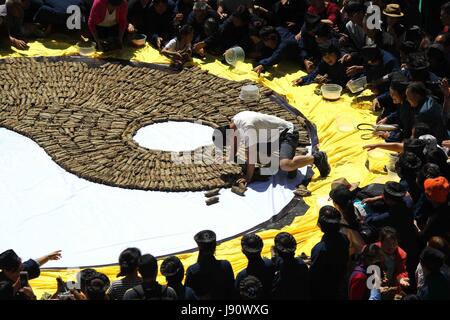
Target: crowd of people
point(401, 229)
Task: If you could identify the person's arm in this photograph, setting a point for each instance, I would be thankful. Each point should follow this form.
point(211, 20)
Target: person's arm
point(390, 146)
point(95, 17)
point(56, 255)
point(250, 168)
point(122, 20)
point(357, 287)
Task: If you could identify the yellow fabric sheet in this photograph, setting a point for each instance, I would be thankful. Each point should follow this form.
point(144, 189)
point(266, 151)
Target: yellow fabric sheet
point(336, 122)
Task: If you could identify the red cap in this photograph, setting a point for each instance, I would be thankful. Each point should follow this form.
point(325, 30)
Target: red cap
point(437, 189)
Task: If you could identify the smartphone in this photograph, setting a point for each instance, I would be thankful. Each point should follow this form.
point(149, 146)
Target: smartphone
point(23, 279)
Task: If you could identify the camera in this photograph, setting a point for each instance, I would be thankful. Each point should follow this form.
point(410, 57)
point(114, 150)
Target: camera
point(23, 279)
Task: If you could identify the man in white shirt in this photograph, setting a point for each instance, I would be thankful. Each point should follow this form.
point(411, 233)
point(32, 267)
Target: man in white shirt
point(257, 129)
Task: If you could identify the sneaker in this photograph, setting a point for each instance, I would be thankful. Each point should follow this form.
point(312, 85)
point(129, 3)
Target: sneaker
point(321, 162)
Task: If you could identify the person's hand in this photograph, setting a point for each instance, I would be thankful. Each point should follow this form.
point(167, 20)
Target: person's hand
point(328, 22)
point(382, 121)
point(376, 105)
point(322, 79)
point(298, 82)
point(345, 58)
point(27, 291)
point(159, 41)
point(290, 24)
point(309, 65)
point(388, 293)
point(259, 69)
point(131, 28)
point(370, 147)
point(55, 255)
point(404, 282)
point(354, 70)
point(370, 200)
point(19, 44)
point(222, 15)
point(445, 88)
point(382, 134)
point(298, 36)
point(78, 295)
point(179, 17)
point(242, 181)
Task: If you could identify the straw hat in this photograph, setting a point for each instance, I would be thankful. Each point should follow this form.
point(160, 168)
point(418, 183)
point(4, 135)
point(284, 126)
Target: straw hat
point(343, 182)
point(393, 10)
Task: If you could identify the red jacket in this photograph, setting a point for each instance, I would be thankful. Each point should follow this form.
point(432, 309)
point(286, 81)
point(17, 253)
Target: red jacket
point(98, 14)
point(400, 263)
point(332, 12)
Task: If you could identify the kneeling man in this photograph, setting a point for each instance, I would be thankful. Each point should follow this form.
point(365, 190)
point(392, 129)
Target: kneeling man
point(255, 129)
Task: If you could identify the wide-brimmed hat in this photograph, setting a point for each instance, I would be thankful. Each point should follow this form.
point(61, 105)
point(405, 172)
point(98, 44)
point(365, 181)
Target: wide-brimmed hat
point(393, 10)
point(394, 190)
point(205, 237)
point(343, 182)
point(9, 260)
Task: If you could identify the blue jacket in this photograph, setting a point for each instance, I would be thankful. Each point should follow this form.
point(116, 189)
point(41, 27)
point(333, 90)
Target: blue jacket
point(287, 49)
point(329, 262)
point(376, 72)
point(336, 73)
point(211, 278)
point(264, 270)
point(291, 280)
point(432, 113)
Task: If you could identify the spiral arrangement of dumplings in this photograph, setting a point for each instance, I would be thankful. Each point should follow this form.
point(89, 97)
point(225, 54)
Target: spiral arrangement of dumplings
point(85, 116)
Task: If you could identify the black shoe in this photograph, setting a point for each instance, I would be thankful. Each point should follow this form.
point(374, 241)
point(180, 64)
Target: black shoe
point(292, 174)
point(321, 162)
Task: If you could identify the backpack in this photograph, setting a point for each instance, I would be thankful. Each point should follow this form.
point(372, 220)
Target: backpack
point(155, 293)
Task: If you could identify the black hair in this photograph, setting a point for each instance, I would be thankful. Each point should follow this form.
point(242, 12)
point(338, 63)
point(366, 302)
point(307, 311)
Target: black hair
point(128, 261)
point(343, 197)
point(323, 31)
point(408, 164)
point(418, 87)
point(159, 1)
point(267, 31)
point(415, 146)
point(97, 286)
point(115, 3)
point(417, 61)
point(428, 171)
point(184, 30)
point(329, 48)
point(148, 266)
point(388, 233)
point(438, 157)
point(446, 7)
point(408, 47)
point(242, 14)
point(85, 276)
point(432, 259)
point(399, 83)
point(353, 7)
point(329, 219)
point(369, 254)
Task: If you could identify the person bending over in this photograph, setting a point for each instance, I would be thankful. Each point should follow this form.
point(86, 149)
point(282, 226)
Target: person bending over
point(254, 128)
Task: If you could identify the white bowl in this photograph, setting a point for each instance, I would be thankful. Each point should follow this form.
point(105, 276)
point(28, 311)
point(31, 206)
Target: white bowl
point(331, 91)
point(86, 48)
point(357, 85)
point(249, 93)
point(234, 55)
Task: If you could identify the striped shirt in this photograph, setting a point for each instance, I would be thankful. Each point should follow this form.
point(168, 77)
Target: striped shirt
point(119, 287)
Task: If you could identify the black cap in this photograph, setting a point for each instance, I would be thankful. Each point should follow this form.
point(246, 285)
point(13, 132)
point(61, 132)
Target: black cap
point(171, 266)
point(394, 190)
point(9, 260)
point(250, 288)
point(285, 242)
point(371, 53)
point(252, 243)
point(354, 7)
point(341, 194)
point(312, 21)
point(432, 259)
point(205, 237)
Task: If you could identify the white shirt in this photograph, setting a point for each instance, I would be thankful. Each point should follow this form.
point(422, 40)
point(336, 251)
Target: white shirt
point(254, 127)
point(110, 19)
point(174, 46)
